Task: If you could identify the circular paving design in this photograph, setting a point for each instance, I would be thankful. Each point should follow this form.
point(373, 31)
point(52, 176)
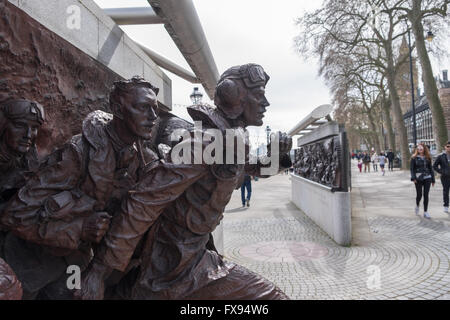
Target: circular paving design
point(410, 257)
point(283, 251)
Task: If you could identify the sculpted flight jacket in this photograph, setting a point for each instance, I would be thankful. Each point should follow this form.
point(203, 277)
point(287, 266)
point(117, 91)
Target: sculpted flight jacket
point(90, 173)
point(181, 205)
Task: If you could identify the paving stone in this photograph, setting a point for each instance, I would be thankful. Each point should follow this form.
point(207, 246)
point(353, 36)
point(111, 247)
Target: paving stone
point(409, 256)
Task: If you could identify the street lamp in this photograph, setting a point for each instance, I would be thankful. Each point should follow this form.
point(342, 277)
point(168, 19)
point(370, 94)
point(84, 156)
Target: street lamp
point(412, 87)
point(268, 134)
point(196, 96)
point(430, 36)
point(383, 132)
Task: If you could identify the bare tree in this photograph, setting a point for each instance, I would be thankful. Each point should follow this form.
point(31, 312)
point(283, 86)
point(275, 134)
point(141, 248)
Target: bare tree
point(418, 11)
point(353, 81)
point(355, 118)
point(364, 29)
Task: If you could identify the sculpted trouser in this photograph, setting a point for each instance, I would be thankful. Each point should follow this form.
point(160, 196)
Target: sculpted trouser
point(175, 261)
point(10, 287)
point(41, 272)
point(239, 284)
point(174, 267)
point(140, 211)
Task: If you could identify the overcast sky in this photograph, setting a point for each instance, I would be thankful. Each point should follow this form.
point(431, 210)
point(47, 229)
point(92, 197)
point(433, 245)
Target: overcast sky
point(240, 32)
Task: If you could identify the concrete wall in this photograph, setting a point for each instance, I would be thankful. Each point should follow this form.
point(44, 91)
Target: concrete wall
point(322, 132)
point(99, 37)
point(331, 211)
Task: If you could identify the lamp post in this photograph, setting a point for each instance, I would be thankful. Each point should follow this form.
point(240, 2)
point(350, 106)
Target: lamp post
point(412, 88)
point(268, 130)
point(430, 36)
point(383, 132)
point(196, 96)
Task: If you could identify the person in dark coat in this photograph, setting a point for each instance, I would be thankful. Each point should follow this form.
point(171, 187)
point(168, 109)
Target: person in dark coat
point(246, 185)
point(366, 161)
point(442, 166)
point(390, 155)
point(422, 174)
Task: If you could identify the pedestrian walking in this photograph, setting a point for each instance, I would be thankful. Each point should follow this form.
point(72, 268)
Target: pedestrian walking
point(366, 162)
point(246, 185)
point(374, 160)
point(442, 166)
point(422, 175)
point(360, 165)
point(382, 162)
point(390, 155)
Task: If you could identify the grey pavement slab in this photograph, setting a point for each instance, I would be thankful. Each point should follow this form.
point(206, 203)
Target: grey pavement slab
point(394, 254)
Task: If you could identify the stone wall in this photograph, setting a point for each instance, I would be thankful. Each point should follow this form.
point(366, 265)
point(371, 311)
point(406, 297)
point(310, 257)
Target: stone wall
point(321, 180)
point(331, 211)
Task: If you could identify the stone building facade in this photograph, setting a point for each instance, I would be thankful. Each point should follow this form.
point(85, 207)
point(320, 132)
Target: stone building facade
point(403, 81)
point(424, 119)
point(444, 95)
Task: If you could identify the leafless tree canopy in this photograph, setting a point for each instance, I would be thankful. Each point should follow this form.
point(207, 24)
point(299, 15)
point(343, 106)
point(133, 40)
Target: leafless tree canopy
point(358, 47)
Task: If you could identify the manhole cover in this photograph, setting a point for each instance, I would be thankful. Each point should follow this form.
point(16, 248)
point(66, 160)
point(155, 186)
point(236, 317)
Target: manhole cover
point(283, 251)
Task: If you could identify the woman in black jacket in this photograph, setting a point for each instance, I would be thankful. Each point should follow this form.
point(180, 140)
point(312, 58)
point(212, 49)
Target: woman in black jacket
point(422, 175)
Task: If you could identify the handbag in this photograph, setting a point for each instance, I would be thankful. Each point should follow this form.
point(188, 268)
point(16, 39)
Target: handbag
point(420, 177)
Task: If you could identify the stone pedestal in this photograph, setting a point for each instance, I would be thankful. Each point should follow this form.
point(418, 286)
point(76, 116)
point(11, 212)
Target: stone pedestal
point(331, 211)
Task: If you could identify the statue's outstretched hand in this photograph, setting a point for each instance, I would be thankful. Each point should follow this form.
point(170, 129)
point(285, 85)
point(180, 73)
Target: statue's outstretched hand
point(284, 143)
point(95, 227)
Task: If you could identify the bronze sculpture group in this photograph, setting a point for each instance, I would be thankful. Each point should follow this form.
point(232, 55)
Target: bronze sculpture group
point(318, 162)
point(112, 202)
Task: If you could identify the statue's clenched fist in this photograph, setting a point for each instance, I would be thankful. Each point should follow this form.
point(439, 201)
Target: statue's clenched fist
point(284, 143)
point(10, 287)
point(95, 227)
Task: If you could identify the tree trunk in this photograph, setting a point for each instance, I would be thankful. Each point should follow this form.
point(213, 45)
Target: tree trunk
point(431, 90)
point(381, 138)
point(397, 110)
point(374, 137)
point(388, 122)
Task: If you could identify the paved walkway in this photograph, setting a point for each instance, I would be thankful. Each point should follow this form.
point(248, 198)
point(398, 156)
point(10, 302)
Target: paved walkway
point(394, 255)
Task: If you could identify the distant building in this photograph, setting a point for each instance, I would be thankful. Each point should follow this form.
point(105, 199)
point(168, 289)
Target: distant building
point(403, 78)
point(424, 118)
